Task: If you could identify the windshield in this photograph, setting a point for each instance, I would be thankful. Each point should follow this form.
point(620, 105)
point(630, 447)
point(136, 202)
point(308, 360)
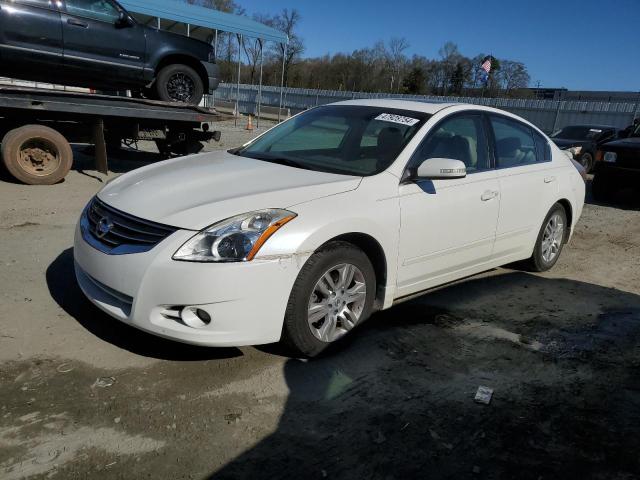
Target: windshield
point(578, 133)
point(345, 139)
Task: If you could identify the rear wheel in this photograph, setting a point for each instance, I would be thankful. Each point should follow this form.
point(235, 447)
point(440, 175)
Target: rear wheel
point(179, 83)
point(550, 240)
point(333, 294)
point(36, 155)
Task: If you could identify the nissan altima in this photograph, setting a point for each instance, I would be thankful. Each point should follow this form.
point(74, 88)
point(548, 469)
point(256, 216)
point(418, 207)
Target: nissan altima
point(302, 233)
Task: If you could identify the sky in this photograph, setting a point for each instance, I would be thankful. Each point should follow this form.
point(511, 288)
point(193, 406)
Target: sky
point(575, 44)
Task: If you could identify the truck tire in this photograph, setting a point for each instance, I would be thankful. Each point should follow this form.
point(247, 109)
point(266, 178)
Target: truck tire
point(36, 155)
point(179, 83)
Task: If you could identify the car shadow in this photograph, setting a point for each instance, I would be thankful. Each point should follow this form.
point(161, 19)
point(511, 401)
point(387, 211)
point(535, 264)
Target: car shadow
point(397, 399)
point(64, 289)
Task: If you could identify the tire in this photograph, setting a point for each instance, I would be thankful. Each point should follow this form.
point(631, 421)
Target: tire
point(36, 155)
point(541, 260)
point(586, 160)
point(302, 337)
point(179, 83)
point(601, 188)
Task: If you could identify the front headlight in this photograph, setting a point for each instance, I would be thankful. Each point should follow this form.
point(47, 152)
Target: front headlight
point(610, 157)
point(236, 239)
point(575, 150)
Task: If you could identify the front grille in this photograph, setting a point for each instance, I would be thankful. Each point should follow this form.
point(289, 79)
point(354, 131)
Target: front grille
point(628, 159)
point(115, 232)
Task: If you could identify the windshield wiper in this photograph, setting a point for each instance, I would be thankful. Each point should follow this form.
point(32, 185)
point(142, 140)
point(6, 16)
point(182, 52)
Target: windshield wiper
point(274, 159)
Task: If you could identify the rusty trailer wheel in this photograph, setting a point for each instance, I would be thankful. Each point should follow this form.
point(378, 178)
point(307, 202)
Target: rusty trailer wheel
point(36, 155)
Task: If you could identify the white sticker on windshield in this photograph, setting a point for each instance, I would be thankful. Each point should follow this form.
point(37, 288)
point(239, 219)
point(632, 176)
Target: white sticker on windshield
point(595, 130)
point(390, 117)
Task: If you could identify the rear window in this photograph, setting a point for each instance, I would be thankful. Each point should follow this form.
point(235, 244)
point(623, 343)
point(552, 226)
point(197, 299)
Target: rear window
point(543, 149)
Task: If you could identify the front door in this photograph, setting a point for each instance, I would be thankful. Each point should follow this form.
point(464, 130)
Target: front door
point(30, 36)
point(448, 226)
point(97, 46)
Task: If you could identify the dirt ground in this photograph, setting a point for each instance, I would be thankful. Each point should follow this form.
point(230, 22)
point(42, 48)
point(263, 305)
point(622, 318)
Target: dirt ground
point(85, 396)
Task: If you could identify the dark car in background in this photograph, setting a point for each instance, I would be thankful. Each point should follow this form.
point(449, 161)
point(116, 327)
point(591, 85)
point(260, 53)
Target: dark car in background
point(582, 141)
point(617, 166)
point(98, 44)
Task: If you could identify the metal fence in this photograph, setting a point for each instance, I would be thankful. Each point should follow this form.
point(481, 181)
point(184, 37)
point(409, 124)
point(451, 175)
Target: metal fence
point(548, 115)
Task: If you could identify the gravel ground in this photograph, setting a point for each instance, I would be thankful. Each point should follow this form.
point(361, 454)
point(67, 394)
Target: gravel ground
point(84, 396)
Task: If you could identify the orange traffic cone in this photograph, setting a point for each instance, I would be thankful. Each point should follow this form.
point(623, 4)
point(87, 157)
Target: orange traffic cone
point(250, 123)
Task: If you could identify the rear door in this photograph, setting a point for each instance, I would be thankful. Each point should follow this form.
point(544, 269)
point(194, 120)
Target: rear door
point(528, 184)
point(30, 35)
point(95, 43)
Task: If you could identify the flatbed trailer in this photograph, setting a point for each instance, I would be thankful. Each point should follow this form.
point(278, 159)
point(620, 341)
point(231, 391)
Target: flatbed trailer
point(37, 127)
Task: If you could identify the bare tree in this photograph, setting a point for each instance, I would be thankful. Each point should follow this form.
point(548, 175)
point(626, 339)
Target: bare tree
point(287, 21)
point(397, 60)
point(513, 76)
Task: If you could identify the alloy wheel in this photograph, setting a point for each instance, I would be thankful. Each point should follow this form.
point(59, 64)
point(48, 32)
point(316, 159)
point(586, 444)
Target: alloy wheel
point(552, 238)
point(336, 302)
point(181, 87)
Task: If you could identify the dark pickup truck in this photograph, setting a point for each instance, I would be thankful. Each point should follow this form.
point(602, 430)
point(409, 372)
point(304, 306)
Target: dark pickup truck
point(617, 165)
point(98, 44)
point(582, 141)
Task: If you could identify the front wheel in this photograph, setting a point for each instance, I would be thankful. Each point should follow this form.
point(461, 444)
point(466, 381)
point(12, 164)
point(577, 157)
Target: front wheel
point(586, 160)
point(179, 83)
point(550, 240)
point(333, 294)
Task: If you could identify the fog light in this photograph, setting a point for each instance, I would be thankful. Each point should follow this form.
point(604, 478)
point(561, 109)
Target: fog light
point(195, 317)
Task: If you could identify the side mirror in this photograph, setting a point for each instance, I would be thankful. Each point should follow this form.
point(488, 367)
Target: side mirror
point(441, 168)
point(123, 20)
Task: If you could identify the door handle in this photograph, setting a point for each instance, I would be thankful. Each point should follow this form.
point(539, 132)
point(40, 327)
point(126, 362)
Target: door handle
point(489, 194)
point(549, 179)
point(77, 23)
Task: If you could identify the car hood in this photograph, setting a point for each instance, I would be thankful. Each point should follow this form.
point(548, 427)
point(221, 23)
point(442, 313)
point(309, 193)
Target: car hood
point(195, 192)
point(631, 143)
point(568, 143)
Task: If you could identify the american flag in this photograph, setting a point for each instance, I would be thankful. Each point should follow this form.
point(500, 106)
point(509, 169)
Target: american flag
point(486, 65)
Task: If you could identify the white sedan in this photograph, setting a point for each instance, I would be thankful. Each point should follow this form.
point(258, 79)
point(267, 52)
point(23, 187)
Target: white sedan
point(301, 234)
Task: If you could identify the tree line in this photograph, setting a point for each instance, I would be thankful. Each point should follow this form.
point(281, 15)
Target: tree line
point(384, 67)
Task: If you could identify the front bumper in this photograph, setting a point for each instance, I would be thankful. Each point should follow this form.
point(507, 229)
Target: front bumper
point(213, 74)
point(246, 301)
point(623, 177)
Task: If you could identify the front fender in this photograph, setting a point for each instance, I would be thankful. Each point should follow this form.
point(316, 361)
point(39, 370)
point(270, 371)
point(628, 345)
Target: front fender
point(361, 211)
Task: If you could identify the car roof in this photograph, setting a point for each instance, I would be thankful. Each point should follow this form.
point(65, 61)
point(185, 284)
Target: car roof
point(430, 107)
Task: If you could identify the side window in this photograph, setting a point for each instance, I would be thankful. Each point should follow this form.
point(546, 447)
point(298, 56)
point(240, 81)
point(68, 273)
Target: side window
point(101, 10)
point(325, 133)
point(543, 149)
point(37, 3)
point(460, 138)
point(515, 146)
